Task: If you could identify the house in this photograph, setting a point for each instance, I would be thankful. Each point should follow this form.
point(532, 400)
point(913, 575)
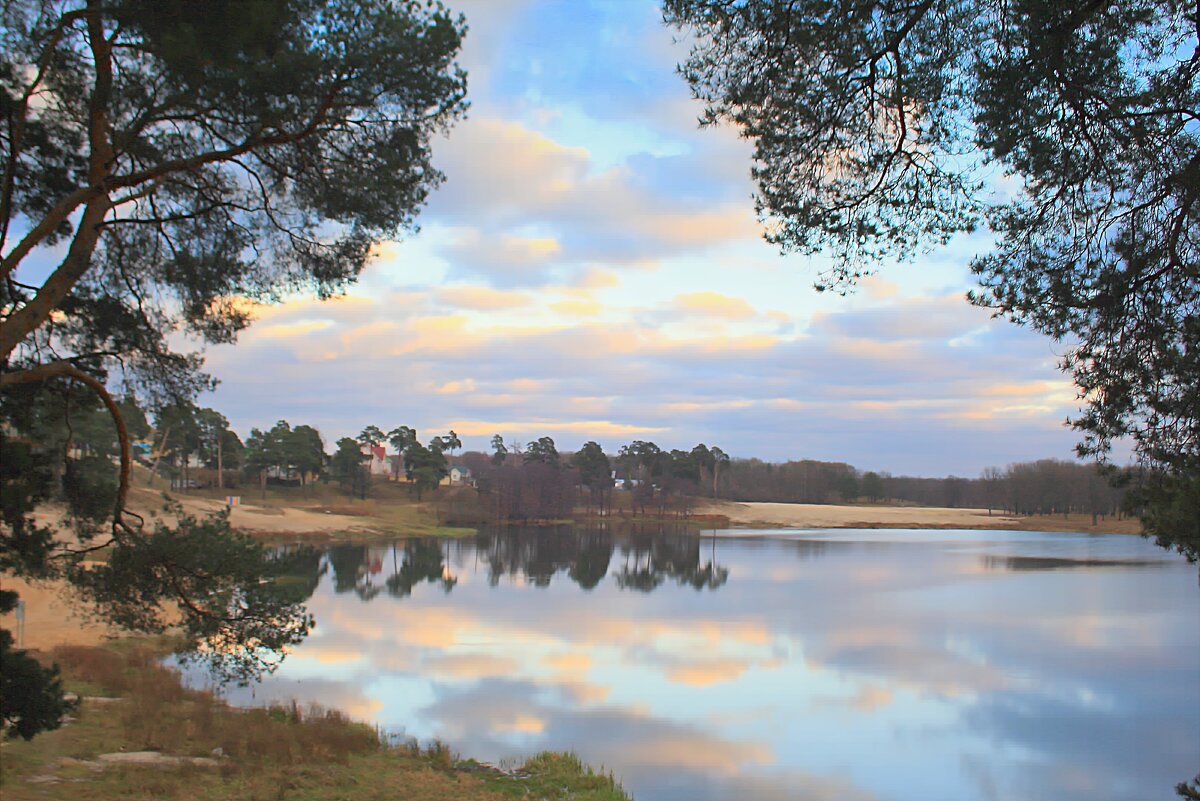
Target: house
point(459, 475)
point(378, 465)
point(627, 482)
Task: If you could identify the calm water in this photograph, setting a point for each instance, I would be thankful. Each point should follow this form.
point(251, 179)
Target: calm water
point(845, 665)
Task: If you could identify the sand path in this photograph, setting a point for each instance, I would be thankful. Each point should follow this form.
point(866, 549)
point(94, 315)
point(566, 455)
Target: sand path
point(259, 520)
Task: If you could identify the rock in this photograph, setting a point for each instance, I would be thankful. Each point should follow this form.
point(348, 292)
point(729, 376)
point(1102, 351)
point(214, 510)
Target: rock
point(154, 758)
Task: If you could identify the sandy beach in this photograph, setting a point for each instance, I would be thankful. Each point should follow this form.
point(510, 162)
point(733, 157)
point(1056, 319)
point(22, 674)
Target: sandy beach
point(50, 617)
point(260, 520)
point(805, 515)
point(809, 515)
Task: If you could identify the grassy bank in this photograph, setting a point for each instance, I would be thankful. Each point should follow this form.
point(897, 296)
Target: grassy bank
point(138, 734)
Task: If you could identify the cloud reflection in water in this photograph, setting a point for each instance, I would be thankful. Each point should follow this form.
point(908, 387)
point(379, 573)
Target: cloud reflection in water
point(848, 665)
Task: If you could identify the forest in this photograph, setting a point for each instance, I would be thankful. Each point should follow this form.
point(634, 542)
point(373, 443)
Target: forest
point(533, 481)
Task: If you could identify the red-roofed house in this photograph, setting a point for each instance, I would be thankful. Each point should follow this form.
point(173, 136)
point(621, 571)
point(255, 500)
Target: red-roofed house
point(379, 462)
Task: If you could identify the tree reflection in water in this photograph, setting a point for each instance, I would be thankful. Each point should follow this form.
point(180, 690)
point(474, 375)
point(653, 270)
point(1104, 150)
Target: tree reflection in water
point(534, 555)
point(423, 561)
point(359, 568)
point(660, 556)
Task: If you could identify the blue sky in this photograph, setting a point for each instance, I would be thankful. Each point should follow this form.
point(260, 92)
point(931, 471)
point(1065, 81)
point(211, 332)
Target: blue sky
point(593, 269)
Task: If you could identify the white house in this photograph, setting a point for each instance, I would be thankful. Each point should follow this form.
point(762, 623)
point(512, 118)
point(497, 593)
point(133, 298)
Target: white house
point(459, 475)
point(379, 463)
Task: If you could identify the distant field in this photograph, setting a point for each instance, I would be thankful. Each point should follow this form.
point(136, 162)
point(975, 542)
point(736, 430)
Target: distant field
point(807, 515)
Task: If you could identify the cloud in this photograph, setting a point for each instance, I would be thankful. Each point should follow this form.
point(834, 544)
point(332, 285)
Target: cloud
point(508, 259)
point(544, 297)
point(843, 388)
point(713, 304)
point(296, 329)
point(505, 181)
point(879, 288)
point(707, 672)
point(578, 308)
point(480, 298)
point(499, 171)
point(938, 318)
point(869, 699)
point(620, 736)
point(598, 428)
point(596, 278)
point(569, 663)
point(470, 666)
point(464, 387)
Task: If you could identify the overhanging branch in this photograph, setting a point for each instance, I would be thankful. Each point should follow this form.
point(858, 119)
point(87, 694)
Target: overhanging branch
point(64, 369)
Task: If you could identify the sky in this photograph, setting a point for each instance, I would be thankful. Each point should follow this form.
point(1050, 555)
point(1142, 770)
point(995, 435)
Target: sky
point(593, 269)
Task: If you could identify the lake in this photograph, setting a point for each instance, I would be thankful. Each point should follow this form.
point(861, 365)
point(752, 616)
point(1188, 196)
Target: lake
point(845, 664)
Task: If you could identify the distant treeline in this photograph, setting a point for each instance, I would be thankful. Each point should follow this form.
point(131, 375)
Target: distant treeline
point(534, 482)
point(1047, 486)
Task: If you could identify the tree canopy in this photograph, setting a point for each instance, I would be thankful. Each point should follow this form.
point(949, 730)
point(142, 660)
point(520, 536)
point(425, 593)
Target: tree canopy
point(291, 452)
point(348, 467)
point(593, 465)
point(1071, 131)
point(185, 156)
point(541, 451)
point(425, 466)
point(163, 165)
point(499, 449)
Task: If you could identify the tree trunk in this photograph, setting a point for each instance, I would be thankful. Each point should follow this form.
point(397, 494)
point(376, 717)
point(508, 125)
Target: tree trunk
point(220, 465)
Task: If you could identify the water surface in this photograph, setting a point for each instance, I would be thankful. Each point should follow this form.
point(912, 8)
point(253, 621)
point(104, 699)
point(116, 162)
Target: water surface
point(846, 664)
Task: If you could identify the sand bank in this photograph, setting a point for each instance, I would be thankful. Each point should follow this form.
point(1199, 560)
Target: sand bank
point(807, 515)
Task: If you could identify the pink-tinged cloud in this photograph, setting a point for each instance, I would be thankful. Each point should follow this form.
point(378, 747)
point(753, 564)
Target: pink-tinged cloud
point(505, 179)
point(478, 298)
point(470, 666)
point(705, 673)
point(578, 308)
point(581, 428)
point(842, 389)
point(714, 304)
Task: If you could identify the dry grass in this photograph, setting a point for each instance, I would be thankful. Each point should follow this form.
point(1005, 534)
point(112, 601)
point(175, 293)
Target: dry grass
point(1125, 524)
point(158, 714)
point(283, 752)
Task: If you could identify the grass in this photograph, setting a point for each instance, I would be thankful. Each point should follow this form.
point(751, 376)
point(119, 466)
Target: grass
point(1081, 523)
point(282, 752)
point(556, 775)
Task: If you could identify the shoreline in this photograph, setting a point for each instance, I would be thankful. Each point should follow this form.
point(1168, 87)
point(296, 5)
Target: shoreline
point(321, 514)
point(313, 523)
